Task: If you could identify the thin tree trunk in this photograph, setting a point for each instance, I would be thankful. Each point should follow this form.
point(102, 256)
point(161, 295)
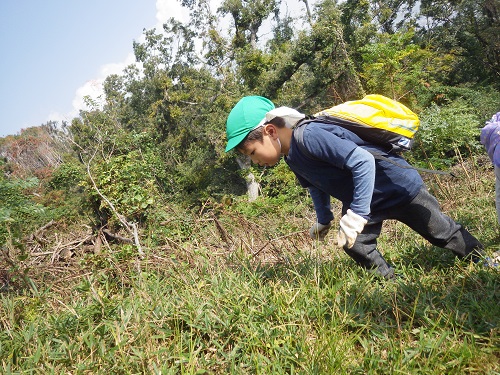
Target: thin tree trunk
point(308, 10)
point(253, 186)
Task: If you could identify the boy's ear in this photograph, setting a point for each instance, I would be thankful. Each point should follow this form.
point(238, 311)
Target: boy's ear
point(270, 130)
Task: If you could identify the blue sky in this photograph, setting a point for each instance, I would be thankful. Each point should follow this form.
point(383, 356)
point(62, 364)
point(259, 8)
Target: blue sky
point(54, 52)
point(53, 48)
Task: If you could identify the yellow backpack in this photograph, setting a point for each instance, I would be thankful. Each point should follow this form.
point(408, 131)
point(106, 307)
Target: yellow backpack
point(376, 119)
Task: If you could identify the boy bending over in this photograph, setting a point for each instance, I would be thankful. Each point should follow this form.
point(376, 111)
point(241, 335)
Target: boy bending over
point(338, 165)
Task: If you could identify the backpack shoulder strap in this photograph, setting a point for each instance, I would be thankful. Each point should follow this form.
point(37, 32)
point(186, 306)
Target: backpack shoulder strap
point(298, 134)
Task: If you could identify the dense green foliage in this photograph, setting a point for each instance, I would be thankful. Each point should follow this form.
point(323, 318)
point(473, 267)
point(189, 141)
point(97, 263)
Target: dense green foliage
point(16, 208)
point(154, 260)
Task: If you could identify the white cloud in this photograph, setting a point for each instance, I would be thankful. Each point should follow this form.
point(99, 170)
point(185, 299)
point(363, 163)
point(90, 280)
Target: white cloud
point(166, 9)
point(117, 68)
point(93, 88)
point(59, 117)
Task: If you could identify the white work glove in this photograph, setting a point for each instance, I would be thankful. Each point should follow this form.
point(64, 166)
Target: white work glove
point(351, 225)
point(318, 231)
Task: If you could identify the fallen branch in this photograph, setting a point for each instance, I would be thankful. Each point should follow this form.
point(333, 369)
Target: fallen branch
point(275, 239)
point(117, 236)
point(35, 235)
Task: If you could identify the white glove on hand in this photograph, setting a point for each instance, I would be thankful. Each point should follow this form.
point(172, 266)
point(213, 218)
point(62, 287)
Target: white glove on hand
point(318, 231)
point(351, 225)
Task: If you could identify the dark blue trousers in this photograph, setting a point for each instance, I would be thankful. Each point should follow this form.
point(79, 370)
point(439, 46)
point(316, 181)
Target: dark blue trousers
point(423, 215)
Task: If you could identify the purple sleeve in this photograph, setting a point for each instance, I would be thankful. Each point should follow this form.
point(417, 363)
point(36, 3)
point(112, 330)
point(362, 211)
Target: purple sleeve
point(490, 138)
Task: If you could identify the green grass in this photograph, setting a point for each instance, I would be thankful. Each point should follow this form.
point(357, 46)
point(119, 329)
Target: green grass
point(250, 295)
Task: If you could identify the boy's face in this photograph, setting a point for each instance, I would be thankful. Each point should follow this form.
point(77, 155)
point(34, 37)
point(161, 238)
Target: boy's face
point(266, 153)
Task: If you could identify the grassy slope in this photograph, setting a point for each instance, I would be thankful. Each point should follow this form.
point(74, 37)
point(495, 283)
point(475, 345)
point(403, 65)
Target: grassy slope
point(250, 293)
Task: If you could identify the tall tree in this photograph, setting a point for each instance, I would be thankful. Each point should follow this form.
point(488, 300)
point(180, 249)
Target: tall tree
point(248, 16)
point(469, 29)
point(314, 64)
point(395, 67)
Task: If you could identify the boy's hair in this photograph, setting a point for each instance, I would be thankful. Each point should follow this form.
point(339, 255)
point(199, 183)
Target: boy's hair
point(256, 134)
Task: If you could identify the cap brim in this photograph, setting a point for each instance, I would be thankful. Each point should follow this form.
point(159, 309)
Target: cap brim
point(237, 139)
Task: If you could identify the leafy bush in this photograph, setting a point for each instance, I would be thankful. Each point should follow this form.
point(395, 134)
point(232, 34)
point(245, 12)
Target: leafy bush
point(67, 176)
point(127, 182)
point(481, 101)
point(446, 133)
point(280, 181)
point(64, 195)
point(17, 210)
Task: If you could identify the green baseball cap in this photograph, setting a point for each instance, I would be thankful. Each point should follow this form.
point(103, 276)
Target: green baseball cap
point(245, 116)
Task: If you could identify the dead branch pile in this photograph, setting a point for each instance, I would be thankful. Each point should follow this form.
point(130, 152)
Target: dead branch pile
point(57, 252)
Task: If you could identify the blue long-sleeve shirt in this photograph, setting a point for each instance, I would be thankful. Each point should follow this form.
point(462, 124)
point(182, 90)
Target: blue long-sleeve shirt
point(341, 169)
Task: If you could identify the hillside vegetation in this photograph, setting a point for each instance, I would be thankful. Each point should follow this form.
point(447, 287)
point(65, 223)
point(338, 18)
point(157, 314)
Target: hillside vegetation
point(129, 246)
